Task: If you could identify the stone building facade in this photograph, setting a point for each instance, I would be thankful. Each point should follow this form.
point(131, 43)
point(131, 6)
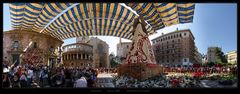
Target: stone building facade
point(17, 43)
point(212, 54)
point(78, 55)
point(232, 57)
point(175, 48)
point(95, 48)
point(123, 49)
point(100, 53)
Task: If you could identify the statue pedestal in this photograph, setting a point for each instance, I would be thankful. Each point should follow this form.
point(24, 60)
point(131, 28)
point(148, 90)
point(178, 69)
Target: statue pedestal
point(140, 71)
point(140, 62)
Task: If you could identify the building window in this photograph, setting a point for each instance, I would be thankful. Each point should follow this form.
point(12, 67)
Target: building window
point(185, 34)
point(177, 35)
point(69, 57)
point(34, 45)
point(127, 46)
point(51, 49)
point(180, 35)
point(171, 36)
point(161, 39)
point(15, 44)
point(167, 42)
point(79, 56)
point(185, 60)
point(168, 37)
point(167, 61)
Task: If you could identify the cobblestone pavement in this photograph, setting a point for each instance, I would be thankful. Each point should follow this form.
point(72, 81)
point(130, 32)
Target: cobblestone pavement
point(105, 80)
point(215, 84)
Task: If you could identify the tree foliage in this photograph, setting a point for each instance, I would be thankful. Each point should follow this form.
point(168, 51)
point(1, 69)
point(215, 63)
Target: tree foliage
point(114, 61)
point(221, 58)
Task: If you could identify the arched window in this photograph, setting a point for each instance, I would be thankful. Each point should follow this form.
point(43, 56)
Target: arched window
point(35, 45)
point(79, 56)
point(69, 57)
point(15, 44)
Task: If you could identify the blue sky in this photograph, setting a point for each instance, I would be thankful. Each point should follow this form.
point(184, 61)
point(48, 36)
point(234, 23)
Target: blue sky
point(214, 24)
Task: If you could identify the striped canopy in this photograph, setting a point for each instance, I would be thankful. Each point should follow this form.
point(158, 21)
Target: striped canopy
point(160, 15)
point(34, 16)
point(86, 19)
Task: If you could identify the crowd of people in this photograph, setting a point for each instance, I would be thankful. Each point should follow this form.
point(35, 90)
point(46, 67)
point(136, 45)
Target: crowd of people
point(24, 76)
point(207, 70)
point(107, 70)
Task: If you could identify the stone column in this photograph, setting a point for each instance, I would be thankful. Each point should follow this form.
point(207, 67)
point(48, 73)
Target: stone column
point(89, 57)
point(77, 56)
point(74, 56)
point(81, 56)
